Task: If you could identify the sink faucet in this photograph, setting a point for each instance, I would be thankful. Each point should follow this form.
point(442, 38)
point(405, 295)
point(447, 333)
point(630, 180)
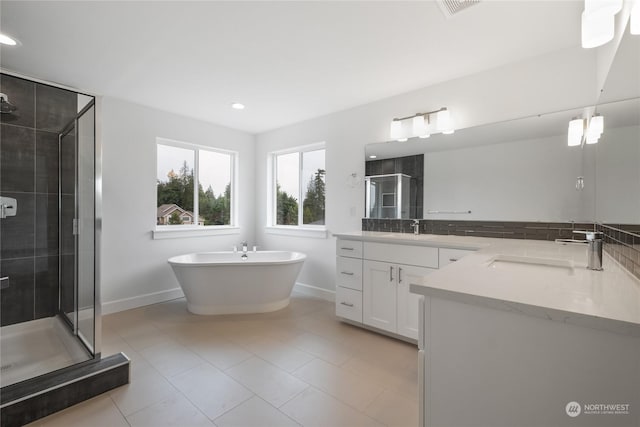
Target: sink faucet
point(416, 226)
point(594, 249)
point(245, 247)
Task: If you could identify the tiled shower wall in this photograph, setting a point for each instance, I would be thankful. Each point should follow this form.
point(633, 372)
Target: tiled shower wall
point(621, 241)
point(29, 251)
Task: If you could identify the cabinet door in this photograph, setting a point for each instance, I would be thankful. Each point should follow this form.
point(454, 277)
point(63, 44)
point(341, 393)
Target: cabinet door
point(409, 303)
point(379, 295)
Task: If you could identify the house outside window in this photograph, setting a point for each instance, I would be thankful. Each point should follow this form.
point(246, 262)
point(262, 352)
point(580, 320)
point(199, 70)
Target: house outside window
point(194, 182)
point(298, 195)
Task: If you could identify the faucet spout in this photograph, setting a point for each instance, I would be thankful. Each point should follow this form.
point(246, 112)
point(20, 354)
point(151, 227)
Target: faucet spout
point(594, 249)
point(416, 227)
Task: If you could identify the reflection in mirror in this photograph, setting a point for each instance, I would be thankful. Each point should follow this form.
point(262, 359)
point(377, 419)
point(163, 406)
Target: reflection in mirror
point(523, 170)
point(394, 187)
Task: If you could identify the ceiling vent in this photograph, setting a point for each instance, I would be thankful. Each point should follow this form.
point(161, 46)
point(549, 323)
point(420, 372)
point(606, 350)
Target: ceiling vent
point(451, 7)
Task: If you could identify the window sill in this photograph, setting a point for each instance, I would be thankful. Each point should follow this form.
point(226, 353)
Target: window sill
point(179, 232)
point(313, 232)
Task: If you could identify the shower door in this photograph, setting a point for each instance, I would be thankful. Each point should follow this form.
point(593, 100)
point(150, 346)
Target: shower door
point(77, 228)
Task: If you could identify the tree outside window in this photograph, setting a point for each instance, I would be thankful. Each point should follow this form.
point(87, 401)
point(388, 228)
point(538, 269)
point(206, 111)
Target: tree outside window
point(300, 176)
point(183, 169)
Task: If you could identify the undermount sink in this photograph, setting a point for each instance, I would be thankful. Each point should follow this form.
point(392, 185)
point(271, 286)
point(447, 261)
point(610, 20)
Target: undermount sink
point(533, 265)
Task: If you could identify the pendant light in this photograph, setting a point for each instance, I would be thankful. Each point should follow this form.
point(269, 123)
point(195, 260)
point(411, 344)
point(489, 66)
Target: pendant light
point(576, 130)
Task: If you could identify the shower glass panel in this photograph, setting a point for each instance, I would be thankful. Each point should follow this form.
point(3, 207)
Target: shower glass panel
point(77, 236)
point(67, 203)
point(85, 237)
point(388, 196)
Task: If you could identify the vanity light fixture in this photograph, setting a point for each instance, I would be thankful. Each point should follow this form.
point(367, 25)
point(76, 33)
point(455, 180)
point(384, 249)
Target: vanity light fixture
point(598, 22)
point(421, 125)
point(585, 131)
point(576, 130)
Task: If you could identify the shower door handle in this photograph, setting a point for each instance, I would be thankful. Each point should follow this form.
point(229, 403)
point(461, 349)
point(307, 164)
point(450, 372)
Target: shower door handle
point(4, 282)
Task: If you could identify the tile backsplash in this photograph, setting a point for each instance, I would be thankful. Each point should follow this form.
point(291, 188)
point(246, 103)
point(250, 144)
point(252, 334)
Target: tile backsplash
point(497, 229)
point(621, 241)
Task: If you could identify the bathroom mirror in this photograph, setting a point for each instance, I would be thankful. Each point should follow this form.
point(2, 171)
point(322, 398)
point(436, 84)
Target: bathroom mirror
point(523, 169)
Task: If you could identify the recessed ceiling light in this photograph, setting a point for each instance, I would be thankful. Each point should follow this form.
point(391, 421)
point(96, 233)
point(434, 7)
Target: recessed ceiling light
point(5, 39)
point(237, 106)
point(373, 156)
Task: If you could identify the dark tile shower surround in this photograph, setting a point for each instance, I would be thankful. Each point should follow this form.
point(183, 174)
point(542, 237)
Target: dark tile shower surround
point(621, 241)
point(29, 174)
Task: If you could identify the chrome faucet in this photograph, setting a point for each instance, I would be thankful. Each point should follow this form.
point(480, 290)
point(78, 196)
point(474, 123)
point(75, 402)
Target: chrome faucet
point(245, 247)
point(416, 227)
point(594, 249)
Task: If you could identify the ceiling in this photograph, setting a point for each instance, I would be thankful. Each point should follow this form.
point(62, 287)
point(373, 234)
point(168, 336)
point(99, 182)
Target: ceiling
point(286, 61)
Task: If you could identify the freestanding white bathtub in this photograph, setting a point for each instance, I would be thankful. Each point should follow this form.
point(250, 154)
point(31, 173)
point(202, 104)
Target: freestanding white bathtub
point(225, 283)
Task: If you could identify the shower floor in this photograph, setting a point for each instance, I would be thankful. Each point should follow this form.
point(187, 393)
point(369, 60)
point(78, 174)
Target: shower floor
point(37, 347)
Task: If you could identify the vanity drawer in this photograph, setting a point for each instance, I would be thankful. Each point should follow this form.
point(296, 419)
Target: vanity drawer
point(349, 304)
point(349, 273)
point(422, 256)
point(447, 256)
point(349, 248)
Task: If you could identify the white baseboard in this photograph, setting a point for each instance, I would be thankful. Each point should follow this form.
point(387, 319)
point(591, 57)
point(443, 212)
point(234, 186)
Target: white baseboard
point(162, 296)
point(141, 300)
point(315, 291)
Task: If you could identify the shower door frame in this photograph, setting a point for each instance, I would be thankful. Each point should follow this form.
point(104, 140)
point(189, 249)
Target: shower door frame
point(95, 347)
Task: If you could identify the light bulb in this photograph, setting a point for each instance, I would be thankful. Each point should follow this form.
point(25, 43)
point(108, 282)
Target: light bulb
point(576, 129)
point(5, 39)
point(634, 25)
point(444, 121)
point(419, 127)
point(597, 29)
point(395, 131)
point(596, 125)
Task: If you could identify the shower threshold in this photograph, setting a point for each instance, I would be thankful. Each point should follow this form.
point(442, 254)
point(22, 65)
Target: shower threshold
point(34, 348)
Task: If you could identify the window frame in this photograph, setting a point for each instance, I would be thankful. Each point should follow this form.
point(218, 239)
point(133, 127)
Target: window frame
point(301, 229)
point(181, 230)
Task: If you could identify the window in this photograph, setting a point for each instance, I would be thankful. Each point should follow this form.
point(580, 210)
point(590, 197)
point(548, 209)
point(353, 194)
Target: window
point(194, 185)
point(299, 175)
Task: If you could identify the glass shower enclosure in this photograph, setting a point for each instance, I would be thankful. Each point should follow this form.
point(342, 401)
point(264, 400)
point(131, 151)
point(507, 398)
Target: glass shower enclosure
point(49, 184)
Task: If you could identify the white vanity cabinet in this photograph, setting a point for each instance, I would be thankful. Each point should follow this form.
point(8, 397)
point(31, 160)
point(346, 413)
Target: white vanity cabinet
point(349, 280)
point(373, 280)
point(387, 302)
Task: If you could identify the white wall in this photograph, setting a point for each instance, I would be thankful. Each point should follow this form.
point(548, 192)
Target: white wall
point(134, 266)
point(528, 180)
point(618, 176)
point(558, 81)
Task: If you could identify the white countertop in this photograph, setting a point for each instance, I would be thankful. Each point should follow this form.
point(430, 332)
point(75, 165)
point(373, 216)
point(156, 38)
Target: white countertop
point(607, 300)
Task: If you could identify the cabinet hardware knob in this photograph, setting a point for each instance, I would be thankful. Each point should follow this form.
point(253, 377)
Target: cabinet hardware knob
point(347, 249)
point(391, 274)
point(399, 274)
point(348, 273)
point(347, 304)
point(453, 259)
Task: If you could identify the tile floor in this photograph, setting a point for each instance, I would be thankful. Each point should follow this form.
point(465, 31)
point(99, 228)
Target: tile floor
point(295, 367)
